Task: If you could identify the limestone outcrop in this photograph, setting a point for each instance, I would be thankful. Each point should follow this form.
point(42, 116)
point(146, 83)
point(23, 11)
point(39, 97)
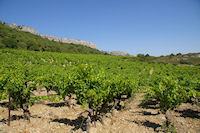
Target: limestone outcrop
point(64, 40)
point(117, 53)
point(23, 28)
point(72, 41)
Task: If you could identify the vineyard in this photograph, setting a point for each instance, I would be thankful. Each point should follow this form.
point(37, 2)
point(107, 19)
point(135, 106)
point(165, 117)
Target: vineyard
point(98, 83)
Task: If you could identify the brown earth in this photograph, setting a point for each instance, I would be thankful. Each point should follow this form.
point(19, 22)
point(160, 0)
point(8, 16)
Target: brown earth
point(49, 117)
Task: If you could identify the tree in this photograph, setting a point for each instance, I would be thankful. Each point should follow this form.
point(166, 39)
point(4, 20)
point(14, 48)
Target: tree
point(2, 45)
point(171, 55)
point(141, 57)
point(179, 54)
point(9, 42)
point(21, 45)
point(32, 45)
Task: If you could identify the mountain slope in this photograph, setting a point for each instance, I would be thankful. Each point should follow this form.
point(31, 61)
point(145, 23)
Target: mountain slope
point(184, 59)
point(12, 38)
point(179, 59)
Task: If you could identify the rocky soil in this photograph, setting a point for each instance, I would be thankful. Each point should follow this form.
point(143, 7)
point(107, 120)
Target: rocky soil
point(49, 117)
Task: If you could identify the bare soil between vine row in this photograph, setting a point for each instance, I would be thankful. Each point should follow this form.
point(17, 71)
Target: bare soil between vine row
point(49, 117)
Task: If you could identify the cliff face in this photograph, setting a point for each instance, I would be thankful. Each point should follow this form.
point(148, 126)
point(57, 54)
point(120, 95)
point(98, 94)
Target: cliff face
point(64, 40)
point(23, 28)
point(73, 41)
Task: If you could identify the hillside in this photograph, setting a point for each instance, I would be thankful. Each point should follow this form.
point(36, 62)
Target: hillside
point(183, 59)
point(17, 39)
point(179, 59)
point(52, 38)
point(27, 38)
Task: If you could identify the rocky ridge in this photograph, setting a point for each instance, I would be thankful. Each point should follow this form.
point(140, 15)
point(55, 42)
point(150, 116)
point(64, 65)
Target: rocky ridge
point(117, 53)
point(64, 40)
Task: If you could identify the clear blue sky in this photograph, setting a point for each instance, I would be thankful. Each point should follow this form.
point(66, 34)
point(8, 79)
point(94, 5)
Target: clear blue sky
point(156, 27)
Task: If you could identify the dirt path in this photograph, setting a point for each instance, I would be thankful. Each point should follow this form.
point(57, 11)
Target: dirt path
point(147, 119)
point(48, 117)
point(134, 119)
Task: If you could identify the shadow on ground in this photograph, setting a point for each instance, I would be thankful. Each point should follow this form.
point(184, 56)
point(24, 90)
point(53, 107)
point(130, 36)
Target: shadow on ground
point(189, 113)
point(149, 104)
point(148, 124)
point(79, 123)
point(13, 117)
point(148, 113)
point(5, 105)
point(60, 104)
point(145, 113)
point(17, 117)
